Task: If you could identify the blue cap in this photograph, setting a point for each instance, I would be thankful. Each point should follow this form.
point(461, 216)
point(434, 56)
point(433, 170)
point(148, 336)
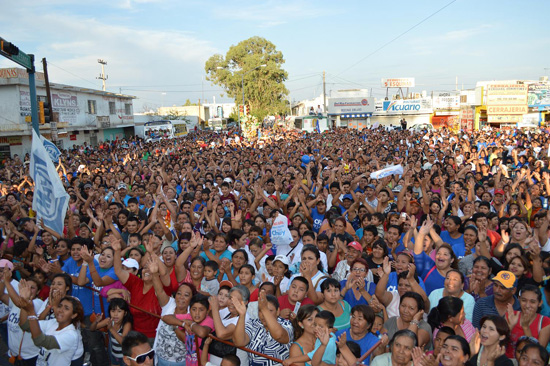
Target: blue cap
point(348, 196)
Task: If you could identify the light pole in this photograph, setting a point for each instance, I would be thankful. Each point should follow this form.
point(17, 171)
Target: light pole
point(246, 73)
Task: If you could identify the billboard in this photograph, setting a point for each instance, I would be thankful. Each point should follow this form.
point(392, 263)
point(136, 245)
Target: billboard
point(446, 100)
point(408, 106)
point(467, 119)
point(538, 96)
point(398, 83)
point(350, 105)
point(67, 106)
point(507, 94)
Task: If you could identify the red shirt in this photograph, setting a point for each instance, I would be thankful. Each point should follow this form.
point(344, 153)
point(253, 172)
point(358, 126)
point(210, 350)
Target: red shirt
point(284, 303)
point(143, 322)
point(535, 326)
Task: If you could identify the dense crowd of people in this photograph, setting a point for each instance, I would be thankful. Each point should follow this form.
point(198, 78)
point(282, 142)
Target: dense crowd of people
point(409, 248)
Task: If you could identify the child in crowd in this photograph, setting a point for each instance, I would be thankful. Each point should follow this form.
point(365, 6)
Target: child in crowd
point(119, 323)
point(209, 283)
point(325, 344)
point(294, 298)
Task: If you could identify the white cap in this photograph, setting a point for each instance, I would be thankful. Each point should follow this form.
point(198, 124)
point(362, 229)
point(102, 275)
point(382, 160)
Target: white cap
point(130, 263)
point(281, 258)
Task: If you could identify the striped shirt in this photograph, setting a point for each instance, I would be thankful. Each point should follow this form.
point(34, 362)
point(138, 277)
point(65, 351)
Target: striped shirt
point(486, 306)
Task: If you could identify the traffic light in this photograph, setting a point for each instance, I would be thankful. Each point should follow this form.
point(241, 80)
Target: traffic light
point(44, 112)
point(9, 48)
point(248, 109)
point(241, 109)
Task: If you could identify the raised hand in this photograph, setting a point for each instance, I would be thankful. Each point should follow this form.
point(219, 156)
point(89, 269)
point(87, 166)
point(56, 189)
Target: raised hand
point(323, 335)
point(86, 254)
point(386, 266)
point(511, 316)
point(214, 304)
point(241, 307)
point(341, 341)
point(24, 290)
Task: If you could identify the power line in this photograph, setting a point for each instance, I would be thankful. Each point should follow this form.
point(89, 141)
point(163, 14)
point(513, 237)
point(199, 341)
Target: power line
point(75, 75)
point(396, 38)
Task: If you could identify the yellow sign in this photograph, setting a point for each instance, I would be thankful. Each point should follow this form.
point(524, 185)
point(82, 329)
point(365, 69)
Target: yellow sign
point(506, 94)
point(507, 109)
point(506, 118)
point(28, 119)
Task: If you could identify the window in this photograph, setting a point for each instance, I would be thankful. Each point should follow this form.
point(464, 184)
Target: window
point(127, 109)
point(112, 108)
point(92, 107)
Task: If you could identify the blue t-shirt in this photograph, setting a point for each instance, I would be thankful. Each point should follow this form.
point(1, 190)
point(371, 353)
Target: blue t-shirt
point(433, 281)
point(350, 297)
point(329, 356)
point(317, 219)
point(364, 343)
point(96, 299)
point(457, 244)
point(83, 294)
point(392, 282)
point(226, 254)
point(423, 264)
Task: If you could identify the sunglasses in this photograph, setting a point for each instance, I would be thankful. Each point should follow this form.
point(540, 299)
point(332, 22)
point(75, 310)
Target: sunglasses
point(143, 357)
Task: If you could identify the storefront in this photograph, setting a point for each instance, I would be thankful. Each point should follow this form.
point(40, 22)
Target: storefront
point(9, 146)
point(414, 111)
point(352, 112)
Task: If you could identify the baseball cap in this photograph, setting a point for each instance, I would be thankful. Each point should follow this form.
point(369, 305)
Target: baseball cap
point(499, 191)
point(228, 180)
point(122, 186)
point(371, 186)
point(414, 202)
point(226, 283)
point(355, 245)
point(281, 258)
point(6, 263)
point(130, 263)
point(506, 279)
point(348, 197)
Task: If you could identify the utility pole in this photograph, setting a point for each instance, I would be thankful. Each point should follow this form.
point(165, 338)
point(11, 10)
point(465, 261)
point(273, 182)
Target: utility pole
point(102, 76)
point(53, 119)
point(324, 95)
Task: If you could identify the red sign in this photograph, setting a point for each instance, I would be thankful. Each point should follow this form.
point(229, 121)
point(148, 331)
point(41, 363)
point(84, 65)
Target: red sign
point(72, 137)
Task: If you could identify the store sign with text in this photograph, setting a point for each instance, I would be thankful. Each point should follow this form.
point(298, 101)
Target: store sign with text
point(408, 106)
point(398, 83)
point(350, 105)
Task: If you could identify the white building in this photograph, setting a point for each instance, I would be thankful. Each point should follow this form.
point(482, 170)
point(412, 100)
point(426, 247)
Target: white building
point(83, 115)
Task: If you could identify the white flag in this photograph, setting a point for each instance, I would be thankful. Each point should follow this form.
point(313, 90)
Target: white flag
point(390, 170)
point(50, 199)
point(51, 148)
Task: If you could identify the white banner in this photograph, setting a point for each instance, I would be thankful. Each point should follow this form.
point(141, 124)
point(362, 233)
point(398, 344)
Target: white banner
point(387, 171)
point(50, 198)
point(51, 148)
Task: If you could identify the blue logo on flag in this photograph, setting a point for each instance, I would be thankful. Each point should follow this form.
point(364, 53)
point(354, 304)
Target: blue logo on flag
point(52, 150)
point(48, 207)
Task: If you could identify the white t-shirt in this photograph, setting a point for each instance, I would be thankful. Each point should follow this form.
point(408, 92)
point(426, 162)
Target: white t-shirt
point(80, 346)
point(5, 309)
point(167, 344)
point(242, 355)
point(17, 339)
point(67, 338)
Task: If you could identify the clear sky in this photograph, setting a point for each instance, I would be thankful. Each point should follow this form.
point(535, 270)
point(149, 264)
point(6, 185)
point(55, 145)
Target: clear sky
point(156, 49)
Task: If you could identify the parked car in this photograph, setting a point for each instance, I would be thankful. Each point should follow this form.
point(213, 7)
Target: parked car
point(421, 127)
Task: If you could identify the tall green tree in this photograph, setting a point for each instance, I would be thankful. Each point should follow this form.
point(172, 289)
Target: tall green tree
point(264, 87)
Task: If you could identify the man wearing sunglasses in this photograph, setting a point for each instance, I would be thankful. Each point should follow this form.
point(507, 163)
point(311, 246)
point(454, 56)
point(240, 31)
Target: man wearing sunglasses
point(136, 350)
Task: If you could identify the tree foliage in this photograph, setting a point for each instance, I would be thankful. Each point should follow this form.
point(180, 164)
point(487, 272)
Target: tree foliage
point(264, 87)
